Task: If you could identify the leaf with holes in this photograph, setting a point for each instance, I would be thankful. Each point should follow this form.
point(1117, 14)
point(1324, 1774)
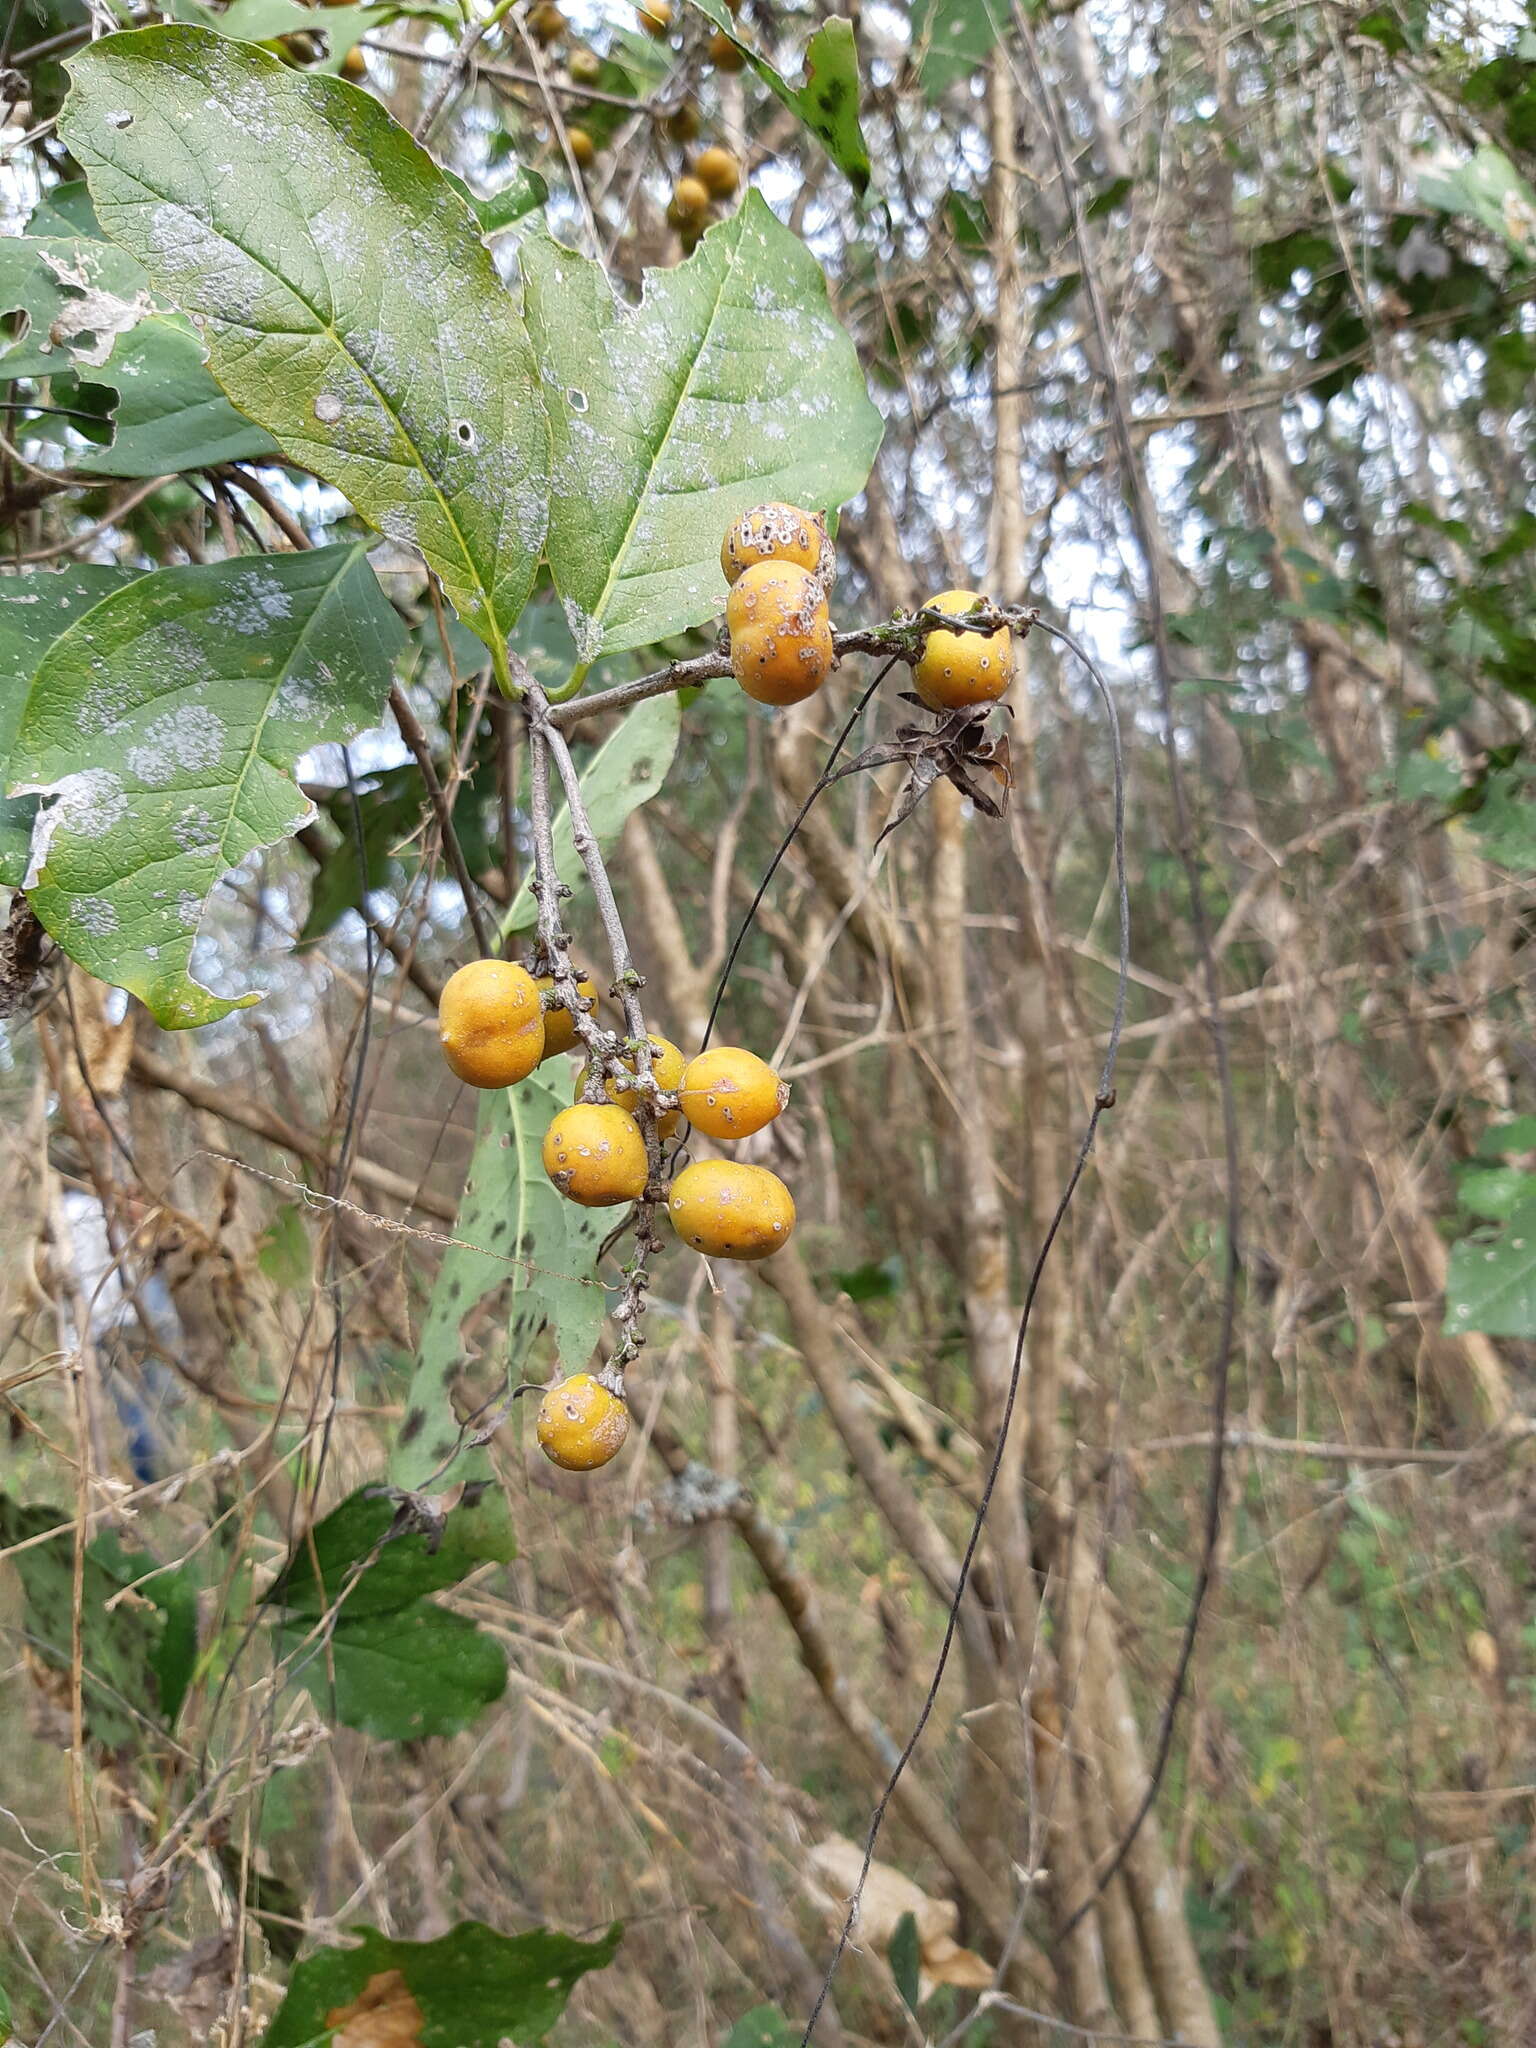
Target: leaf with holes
point(34, 611)
point(625, 772)
point(828, 102)
point(516, 1233)
point(1490, 1284)
point(163, 726)
point(473, 1988)
point(340, 284)
point(729, 383)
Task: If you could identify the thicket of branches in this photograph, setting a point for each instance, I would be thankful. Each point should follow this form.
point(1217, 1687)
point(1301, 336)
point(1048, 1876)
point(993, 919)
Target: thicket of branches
point(1208, 333)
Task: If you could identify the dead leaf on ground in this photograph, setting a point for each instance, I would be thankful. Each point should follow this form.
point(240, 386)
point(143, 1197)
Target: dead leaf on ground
point(888, 1898)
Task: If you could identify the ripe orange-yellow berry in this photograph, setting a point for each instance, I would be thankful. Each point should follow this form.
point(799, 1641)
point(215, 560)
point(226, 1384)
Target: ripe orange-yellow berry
point(729, 1210)
point(546, 24)
point(957, 670)
point(354, 65)
point(729, 1092)
point(583, 149)
point(489, 1023)
point(655, 17)
point(718, 169)
point(775, 533)
point(781, 634)
point(582, 1423)
point(559, 1024)
point(723, 53)
point(690, 201)
point(595, 1155)
point(667, 1065)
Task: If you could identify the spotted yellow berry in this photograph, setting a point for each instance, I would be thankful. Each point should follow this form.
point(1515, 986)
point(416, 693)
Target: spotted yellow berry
point(559, 1024)
point(774, 533)
point(957, 670)
point(781, 633)
point(490, 1024)
point(582, 1424)
point(666, 1071)
point(729, 1092)
point(595, 1155)
point(729, 1210)
point(718, 169)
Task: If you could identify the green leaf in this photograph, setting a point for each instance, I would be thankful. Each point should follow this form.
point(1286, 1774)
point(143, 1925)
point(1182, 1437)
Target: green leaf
point(397, 1570)
point(515, 1233)
point(1491, 1281)
point(828, 102)
point(34, 610)
point(625, 772)
point(284, 1253)
point(88, 308)
point(905, 1956)
point(474, 1988)
point(138, 1655)
point(1494, 1191)
point(402, 1676)
point(1499, 1140)
point(953, 39)
point(763, 2027)
point(347, 301)
point(1488, 189)
point(524, 193)
point(164, 725)
point(729, 383)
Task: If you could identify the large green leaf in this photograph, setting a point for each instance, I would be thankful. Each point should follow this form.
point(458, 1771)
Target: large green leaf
point(1488, 189)
point(346, 298)
point(406, 1567)
point(625, 772)
point(34, 611)
point(137, 1655)
point(1491, 1281)
point(729, 383)
point(516, 1233)
point(474, 1988)
point(828, 102)
point(413, 1672)
point(88, 309)
point(164, 725)
point(954, 38)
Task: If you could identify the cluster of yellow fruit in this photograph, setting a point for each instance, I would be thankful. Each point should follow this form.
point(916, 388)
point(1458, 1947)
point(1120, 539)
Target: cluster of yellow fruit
point(496, 1022)
point(713, 176)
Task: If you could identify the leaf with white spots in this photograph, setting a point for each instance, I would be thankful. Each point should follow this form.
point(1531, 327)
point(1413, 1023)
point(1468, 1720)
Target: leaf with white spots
point(1490, 1284)
point(728, 384)
point(515, 1234)
point(828, 101)
point(34, 611)
point(162, 729)
point(340, 284)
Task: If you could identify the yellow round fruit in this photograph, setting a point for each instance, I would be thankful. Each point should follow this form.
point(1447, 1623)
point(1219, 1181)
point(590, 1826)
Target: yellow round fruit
point(583, 149)
point(781, 634)
point(729, 1092)
point(490, 1024)
point(717, 169)
point(690, 199)
point(595, 1155)
point(354, 65)
point(546, 24)
point(682, 124)
point(774, 533)
point(582, 1424)
point(667, 1065)
point(723, 53)
point(655, 17)
point(728, 1210)
point(559, 1024)
point(957, 670)
point(584, 67)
